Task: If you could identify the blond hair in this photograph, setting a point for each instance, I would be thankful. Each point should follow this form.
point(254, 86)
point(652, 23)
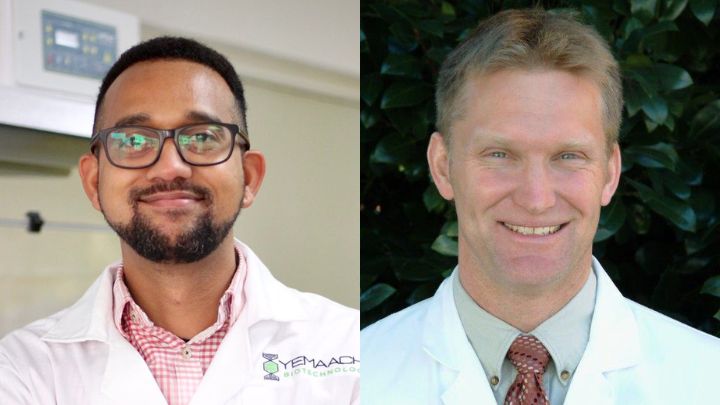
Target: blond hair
point(530, 39)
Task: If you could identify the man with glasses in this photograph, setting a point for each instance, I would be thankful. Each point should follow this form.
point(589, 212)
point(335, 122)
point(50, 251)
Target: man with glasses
point(190, 315)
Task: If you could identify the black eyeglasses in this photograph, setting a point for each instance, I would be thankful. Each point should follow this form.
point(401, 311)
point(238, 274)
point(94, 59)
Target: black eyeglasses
point(137, 147)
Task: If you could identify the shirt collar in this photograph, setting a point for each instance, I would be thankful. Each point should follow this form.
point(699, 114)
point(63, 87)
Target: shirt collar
point(565, 334)
point(229, 309)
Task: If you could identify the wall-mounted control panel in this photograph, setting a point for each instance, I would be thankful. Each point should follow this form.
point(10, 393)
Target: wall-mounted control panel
point(77, 47)
point(64, 45)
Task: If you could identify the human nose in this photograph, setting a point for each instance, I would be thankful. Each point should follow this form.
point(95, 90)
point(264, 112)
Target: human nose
point(535, 191)
point(170, 164)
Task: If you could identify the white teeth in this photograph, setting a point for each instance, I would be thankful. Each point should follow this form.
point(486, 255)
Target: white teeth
point(526, 230)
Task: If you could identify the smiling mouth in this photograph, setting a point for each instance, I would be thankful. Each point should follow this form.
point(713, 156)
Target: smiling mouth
point(535, 231)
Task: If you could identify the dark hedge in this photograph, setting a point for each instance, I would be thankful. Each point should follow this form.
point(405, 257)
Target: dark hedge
point(659, 238)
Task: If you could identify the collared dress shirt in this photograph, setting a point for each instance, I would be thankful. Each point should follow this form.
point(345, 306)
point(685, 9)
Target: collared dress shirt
point(178, 366)
point(565, 335)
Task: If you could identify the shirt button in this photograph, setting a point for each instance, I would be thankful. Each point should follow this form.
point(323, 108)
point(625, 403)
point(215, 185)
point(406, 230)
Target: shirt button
point(186, 352)
point(494, 380)
point(564, 375)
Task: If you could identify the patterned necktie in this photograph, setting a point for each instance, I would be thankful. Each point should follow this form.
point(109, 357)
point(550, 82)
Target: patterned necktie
point(530, 358)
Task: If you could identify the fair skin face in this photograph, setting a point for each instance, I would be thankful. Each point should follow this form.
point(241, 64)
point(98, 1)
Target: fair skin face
point(528, 168)
point(181, 298)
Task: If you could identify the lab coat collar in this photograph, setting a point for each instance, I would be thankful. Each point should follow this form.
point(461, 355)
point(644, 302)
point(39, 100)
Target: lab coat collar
point(613, 345)
point(128, 379)
point(90, 318)
point(452, 350)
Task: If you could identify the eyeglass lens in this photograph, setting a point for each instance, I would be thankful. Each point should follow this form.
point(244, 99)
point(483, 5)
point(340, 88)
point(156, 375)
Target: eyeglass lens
point(198, 144)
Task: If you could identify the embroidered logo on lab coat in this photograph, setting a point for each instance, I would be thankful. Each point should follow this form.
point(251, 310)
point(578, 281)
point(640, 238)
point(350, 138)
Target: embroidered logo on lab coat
point(308, 366)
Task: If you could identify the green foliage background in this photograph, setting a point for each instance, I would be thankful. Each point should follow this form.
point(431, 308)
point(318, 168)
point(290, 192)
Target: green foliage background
point(659, 238)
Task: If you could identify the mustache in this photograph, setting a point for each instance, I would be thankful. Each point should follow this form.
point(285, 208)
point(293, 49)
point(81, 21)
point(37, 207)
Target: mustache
point(176, 185)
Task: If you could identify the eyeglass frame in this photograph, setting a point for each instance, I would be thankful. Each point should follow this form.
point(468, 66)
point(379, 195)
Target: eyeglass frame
point(102, 135)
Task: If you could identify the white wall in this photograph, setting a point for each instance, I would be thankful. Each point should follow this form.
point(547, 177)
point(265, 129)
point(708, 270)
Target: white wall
point(303, 114)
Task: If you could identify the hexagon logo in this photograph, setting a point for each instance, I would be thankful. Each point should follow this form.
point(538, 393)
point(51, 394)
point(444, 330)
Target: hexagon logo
point(270, 367)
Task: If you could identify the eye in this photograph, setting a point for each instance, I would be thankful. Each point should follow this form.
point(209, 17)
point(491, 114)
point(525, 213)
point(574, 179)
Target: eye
point(130, 141)
point(498, 154)
point(569, 156)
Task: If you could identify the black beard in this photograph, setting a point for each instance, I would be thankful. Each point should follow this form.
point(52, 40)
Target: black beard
point(189, 247)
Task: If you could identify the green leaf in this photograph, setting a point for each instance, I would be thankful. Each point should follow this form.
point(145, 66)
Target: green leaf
point(375, 295)
point(676, 185)
point(655, 108)
point(640, 219)
point(370, 87)
point(706, 120)
point(447, 9)
point(690, 172)
point(658, 156)
point(445, 245)
point(703, 203)
point(704, 10)
point(643, 9)
point(401, 65)
point(711, 286)
point(612, 219)
point(696, 243)
point(659, 28)
point(672, 77)
point(432, 27)
point(672, 9)
point(405, 94)
point(630, 25)
point(450, 229)
point(403, 34)
point(634, 96)
point(679, 213)
point(369, 117)
point(433, 200)
point(392, 149)
point(422, 292)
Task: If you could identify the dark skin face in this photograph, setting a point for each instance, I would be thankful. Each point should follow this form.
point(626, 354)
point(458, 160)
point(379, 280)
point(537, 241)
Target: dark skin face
point(171, 196)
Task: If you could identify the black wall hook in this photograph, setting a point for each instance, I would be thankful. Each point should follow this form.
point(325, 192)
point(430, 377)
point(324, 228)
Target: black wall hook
point(35, 221)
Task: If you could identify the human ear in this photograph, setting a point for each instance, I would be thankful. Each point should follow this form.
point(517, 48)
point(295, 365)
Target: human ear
point(439, 162)
point(88, 170)
point(254, 172)
point(613, 175)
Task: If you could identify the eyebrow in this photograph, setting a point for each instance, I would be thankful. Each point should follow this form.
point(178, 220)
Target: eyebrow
point(488, 138)
point(144, 118)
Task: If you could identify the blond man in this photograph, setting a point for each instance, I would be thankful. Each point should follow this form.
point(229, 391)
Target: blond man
point(529, 109)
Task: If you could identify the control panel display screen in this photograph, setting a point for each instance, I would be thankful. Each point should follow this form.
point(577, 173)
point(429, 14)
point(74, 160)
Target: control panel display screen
point(68, 39)
point(77, 47)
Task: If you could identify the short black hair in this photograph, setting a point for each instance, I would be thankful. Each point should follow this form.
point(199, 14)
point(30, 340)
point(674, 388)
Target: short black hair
point(175, 48)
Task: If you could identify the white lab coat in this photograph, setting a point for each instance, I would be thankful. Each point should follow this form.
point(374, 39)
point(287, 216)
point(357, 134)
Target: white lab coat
point(78, 357)
point(635, 356)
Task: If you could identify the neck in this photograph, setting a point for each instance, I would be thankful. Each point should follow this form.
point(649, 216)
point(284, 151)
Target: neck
point(524, 307)
point(181, 298)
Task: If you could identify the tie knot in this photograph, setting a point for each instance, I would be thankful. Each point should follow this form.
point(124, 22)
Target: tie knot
point(528, 355)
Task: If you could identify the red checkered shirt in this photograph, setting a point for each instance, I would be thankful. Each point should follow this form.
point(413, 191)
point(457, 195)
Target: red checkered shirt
point(178, 366)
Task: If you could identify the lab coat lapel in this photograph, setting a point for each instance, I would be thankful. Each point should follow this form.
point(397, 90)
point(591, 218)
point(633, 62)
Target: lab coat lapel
point(460, 374)
point(230, 369)
point(613, 346)
point(237, 364)
point(127, 378)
